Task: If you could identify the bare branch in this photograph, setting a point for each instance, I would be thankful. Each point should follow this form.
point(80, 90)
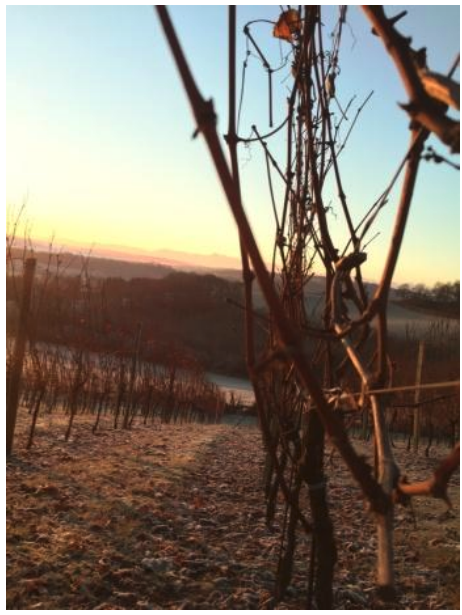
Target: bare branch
point(436, 486)
point(423, 107)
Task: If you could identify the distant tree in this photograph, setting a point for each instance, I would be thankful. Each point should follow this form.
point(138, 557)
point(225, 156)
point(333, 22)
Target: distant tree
point(446, 293)
point(420, 290)
point(455, 292)
point(404, 291)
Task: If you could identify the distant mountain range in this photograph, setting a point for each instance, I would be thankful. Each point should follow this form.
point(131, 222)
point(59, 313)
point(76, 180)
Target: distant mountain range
point(118, 261)
point(175, 259)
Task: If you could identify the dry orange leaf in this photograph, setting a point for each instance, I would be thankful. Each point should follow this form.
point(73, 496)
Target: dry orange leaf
point(288, 24)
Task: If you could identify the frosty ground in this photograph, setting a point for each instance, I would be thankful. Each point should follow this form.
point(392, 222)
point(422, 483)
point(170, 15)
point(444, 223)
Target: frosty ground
point(173, 517)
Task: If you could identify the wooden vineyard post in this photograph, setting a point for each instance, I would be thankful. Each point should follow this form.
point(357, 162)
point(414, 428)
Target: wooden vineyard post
point(130, 404)
point(417, 412)
point(12, 396)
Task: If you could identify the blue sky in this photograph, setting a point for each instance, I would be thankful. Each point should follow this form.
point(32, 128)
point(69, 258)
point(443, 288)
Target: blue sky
point(99, 131)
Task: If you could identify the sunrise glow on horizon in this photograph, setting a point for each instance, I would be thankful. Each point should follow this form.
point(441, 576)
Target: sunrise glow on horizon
point(99, 133)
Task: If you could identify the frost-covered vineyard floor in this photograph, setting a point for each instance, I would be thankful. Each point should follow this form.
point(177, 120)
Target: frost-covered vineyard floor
point(173, 518)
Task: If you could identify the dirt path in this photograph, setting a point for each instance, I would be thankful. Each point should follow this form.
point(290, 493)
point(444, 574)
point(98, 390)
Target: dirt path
point(173, 518)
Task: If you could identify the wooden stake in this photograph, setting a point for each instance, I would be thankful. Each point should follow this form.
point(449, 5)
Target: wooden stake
point(417, 410)
point(136, 352)
point(18, 355)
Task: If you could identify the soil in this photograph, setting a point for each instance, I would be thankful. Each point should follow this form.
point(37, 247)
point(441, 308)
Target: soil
point(173, 517)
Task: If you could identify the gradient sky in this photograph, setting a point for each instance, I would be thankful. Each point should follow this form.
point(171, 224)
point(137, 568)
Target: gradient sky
point(99, 131)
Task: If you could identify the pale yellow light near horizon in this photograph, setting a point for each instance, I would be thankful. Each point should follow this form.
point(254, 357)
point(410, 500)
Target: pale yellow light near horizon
point(103, 196)
point(83, 197)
